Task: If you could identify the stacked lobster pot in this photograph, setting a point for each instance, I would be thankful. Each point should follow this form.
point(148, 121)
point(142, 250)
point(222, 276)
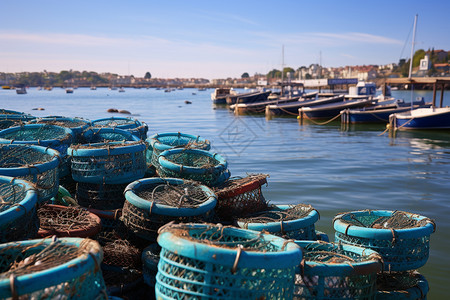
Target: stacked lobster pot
point(12, 118)
point(36, 164)
point(53, 268)
point(102, 170)
point(153, 202)
point(18, 218)
point(51, 136)
point(206, 261)
point(403, 241)
point(77, 125)
point(295, 222)
point(240, 197)
point(134, 126)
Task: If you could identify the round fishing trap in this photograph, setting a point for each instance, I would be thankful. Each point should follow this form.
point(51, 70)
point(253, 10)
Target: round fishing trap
point(239, 197)
point(194, 164)
point(106, 134)
point(134, 126)
point(66, 268)
point(331, 271)
point(108, 163)
point(150, 260)
point(402, 285)
point(288, 221)
point(153, 202)
point(13, 114)
point(77, 125)
point(121, 280)
point(35, 164)
point(18, 219)
point(10, 122)
point(52, 136)
point(64, 221)
point(216, 262)
point(401, 238)
point(100, 196)
point(161, 142)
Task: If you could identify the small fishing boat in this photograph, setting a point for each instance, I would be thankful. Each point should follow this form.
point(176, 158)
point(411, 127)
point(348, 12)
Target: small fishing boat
point(219, 96)
point(69, 91)
point(331, 110)
point(21, 90)
point(291, 108)
point(422, 118)
point(121, 90)
point(251, 97)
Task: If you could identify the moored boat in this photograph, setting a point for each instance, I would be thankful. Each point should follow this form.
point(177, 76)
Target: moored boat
point(331, 110)
point(422, 118)
point(219, 96)
point(291, 108)
point(251, 97)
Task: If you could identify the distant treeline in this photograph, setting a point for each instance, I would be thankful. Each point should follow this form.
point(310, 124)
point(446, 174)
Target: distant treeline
point(63, 78)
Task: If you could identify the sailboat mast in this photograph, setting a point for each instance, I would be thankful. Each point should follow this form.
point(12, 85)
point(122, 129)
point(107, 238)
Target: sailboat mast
point(282, 63)
point(412, 47)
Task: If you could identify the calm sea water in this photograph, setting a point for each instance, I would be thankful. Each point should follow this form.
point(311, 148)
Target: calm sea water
point(333, 168)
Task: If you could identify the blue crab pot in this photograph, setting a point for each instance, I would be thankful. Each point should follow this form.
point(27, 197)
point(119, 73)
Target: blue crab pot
point(77, 125)
point(36, 164)
point(18, 218)
point(402, 249)
point(205, 261)
point(105, 134)
point(134, 126)
point(402, 285)
point(108, 163)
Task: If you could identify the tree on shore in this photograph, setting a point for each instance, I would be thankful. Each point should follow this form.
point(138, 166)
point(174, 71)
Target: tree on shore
point(245, 75)
point(147, 76)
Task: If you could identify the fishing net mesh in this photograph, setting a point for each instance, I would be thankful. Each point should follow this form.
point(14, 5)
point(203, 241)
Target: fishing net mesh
point(275, 215)
point(100, 196)
point(46, 132)
point(45, 182)
point(7, 123)
point(21, 227)
point(108, 167)
point(103, 137)
point(69, 123)
point(121, 253)
point(397, 220)
point(114, 122)
point(239, 197)
point(63, 221)
point(17, 260)
point(334, 285)
point(182, 277)
point(396, 281)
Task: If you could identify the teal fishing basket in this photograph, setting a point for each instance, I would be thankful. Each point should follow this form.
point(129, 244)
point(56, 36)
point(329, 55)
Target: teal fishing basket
point(402, 285)
point(331, 271)
point(108, 163)
point(205, 261)
point(13, 114)
point(35, 164)
point(52, 136)
point(105, 134)
point(18, 218)
point(295, 222)
point(134, 126)
point(401, 238)
point(10, 122)
point(194, 164)
point(100, 195)
point(161, 142)
point(153, 202)
point(77, 125)
point(53, 268)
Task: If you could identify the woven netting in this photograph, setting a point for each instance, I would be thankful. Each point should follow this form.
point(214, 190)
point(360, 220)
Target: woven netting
point(45, 182)
point(63, 122)
point(399, 253)
point(121, 253)
point(134, 126)
point(239, 197)
point(209, 175)
point(21, 227)
point(100, 196)
point(67, 221)
point(17, 260)
point(150, 260)
point(402, 285)
point(275, 215)
point(146, 224)
point(6, 123)
point(121, 280)
point(102, 137)
point(335, 285)
point(46, 132)
point(188, 194)
point(109, 169)
point(182, 277)
point(10, 112)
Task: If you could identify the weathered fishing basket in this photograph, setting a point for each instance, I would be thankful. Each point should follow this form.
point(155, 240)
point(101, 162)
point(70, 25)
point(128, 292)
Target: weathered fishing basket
point(216, 262)
point(240, 196)
point(331, 271)
point(402, 285)
point(194, 164)
point(65, 221)
point(153, 202)
point(54, 268)
point(109, 163)
point(13, 114)
point(18, 219)
point(150, 260)
point(100, 196)
point(401, 238)
point(134, 126)
point(77, 125)
point(288, 221)
point(10, 122)
point(36, 164)
point(106, 134)
point(161, 142)
point(51, 136)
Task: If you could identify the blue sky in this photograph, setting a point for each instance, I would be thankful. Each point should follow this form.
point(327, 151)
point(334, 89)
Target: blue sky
point(213, 39)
